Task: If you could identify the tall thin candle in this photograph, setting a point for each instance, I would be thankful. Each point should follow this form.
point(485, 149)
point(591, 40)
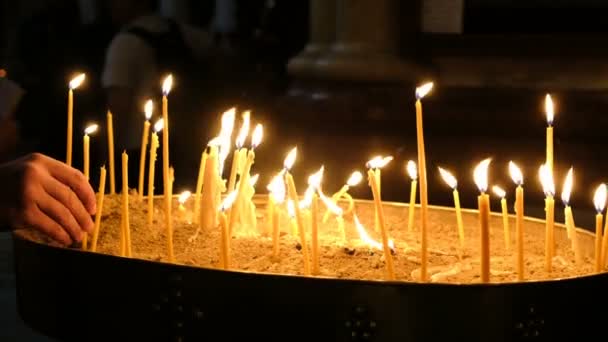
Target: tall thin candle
point(599, 201)
point(518, 179)
point(451, 181)
point(420, 93)
point(549, 189)
point(413, 173)
point(483, 200)
point(144, 144)
point(158, 126)
point(99, 212)
point(110, 124)
point(74, 83)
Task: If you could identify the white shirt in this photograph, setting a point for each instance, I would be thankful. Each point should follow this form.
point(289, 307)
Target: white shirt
point(130, 62)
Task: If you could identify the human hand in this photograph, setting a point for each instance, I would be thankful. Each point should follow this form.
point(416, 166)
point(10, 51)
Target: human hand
point(45, 194)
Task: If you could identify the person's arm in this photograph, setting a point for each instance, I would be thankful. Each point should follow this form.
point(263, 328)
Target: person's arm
point(42, 193)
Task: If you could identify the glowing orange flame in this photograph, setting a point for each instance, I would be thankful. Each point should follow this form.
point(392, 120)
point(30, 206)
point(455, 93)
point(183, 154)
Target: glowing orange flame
point(244, 131)
point(229, 200)
point(159, 125)
point(480, 175)
point(423, 90)
point(379, 162)
point(368, 239)
point(549, 109)
point(498, 191)
point(148, 108)
point(291, 158)
point(546, 179)
point(448, 178)
point(567, 188)
point(412, 171)
point(354, 179)
point(167, 84)
point(515, 172)
point(183, 197)
point(77, 81)
point(277, 188)
point(91, 129)
point(254, 179)
point(258, 133)
point(599, 199)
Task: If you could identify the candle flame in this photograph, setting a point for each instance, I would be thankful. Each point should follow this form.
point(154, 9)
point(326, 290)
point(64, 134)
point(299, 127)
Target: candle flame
point(331, 205)
point(412, 171)
point(291, 158)
point(256, 138)
point(367, 239)
point(423, 90)
point(480, 175)
point(277, 188)
point(229, 200)
point(306, 202)
point(498, 191)
point(183, 197)
point(567, 188)
point(448, 178)
point(77, 81)
point(549, 109)
point(254, 179)
point(546, 179)
point(159, 125)
point(599, 199)
point(515, 172)
point(91, 129)
point(167, 84)
point(226, 136)
point(148, 108)
point(315, 179)
point(379, 162)
point(217, 141)
point(291, 209)
point(354, 179)
point(244, 131)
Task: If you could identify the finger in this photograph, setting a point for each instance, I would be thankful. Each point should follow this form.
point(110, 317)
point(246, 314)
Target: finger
point(50, 227)
point(69, 200)
point(60, 214)
point(74, 179)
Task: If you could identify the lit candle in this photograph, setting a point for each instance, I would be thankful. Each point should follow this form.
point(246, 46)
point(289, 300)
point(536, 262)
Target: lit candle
point(498, 191)
point(225, 234)
point(291, 212)
point(86, 140)
point(354, 179)
point(239, 211)
point(413, 173)
point(420, 93)
point(518, 179)
point(99, 212)
point(570, 226)
point(546, 179)
point(549, 110)
point(293, 195)
point(199, 185)
point(158, 126)
point(599, 200)
point(239, 152)
point(74, 83)
point(144, 143)
point(451, 181)
point(314, 183)
point(211, 194)
point(225, 138)
point(125, 203)
point(167, 83)
point(277, 197)
point(480, 175)
point(110, 125)
point(388, 257)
